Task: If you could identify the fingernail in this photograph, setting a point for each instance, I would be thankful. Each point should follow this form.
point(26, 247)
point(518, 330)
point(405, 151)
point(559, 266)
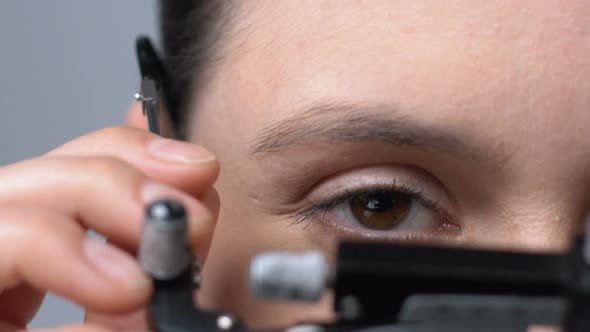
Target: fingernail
point(114, 263)
point(177, 151)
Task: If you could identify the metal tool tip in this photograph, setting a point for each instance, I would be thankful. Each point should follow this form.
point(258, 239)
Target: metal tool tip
point(166, 210)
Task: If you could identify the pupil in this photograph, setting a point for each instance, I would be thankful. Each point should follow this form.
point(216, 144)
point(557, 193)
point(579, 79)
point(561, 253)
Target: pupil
point(380, 202)
point(381, 210)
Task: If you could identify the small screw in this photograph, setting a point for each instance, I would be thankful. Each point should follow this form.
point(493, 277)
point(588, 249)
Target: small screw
point(197, 266)
point(196, 281)
point(350, 307)
point(225, 322)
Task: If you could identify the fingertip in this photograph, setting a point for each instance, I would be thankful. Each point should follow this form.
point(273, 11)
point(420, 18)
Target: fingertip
point(137, 320)
point(91, 273)
point(134, 117)
point(212, 201)
point(123, 274)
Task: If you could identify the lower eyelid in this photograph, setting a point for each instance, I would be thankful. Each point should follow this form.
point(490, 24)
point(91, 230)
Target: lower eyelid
point(442, 236)
point(344, 211)
point(441, 230)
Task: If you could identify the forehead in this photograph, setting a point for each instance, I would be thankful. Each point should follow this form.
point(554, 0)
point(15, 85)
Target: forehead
point(503, 65)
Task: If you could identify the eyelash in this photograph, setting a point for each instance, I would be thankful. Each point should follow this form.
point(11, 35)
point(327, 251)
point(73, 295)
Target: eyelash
point(317, 210)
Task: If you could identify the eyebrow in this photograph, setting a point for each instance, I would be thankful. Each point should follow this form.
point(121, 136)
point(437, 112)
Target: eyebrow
point(364, 123)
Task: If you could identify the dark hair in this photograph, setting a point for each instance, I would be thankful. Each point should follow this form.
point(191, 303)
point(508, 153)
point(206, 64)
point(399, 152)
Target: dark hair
point(191, 34)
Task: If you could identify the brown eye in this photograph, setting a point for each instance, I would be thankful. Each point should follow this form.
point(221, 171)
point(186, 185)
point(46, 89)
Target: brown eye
point(381, 211)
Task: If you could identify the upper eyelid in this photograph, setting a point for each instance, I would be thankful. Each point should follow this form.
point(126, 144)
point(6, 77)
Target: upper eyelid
point(409, 178)
point(348, 194)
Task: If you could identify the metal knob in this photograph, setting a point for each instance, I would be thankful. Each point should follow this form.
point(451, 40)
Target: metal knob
point(289, 276)
point(164, 249)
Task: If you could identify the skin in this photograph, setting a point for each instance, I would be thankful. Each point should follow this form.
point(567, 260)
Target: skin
point(501, 85)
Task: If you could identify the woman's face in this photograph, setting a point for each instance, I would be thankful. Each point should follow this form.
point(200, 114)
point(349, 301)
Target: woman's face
point(456, 122)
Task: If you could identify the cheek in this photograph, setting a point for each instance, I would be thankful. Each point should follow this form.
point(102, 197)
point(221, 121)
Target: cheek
point(241, 232)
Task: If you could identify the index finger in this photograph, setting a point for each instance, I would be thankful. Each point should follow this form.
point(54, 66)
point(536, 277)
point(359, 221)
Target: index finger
point(188, 167)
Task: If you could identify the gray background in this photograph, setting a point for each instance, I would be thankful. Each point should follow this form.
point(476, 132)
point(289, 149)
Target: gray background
point(67, 67)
